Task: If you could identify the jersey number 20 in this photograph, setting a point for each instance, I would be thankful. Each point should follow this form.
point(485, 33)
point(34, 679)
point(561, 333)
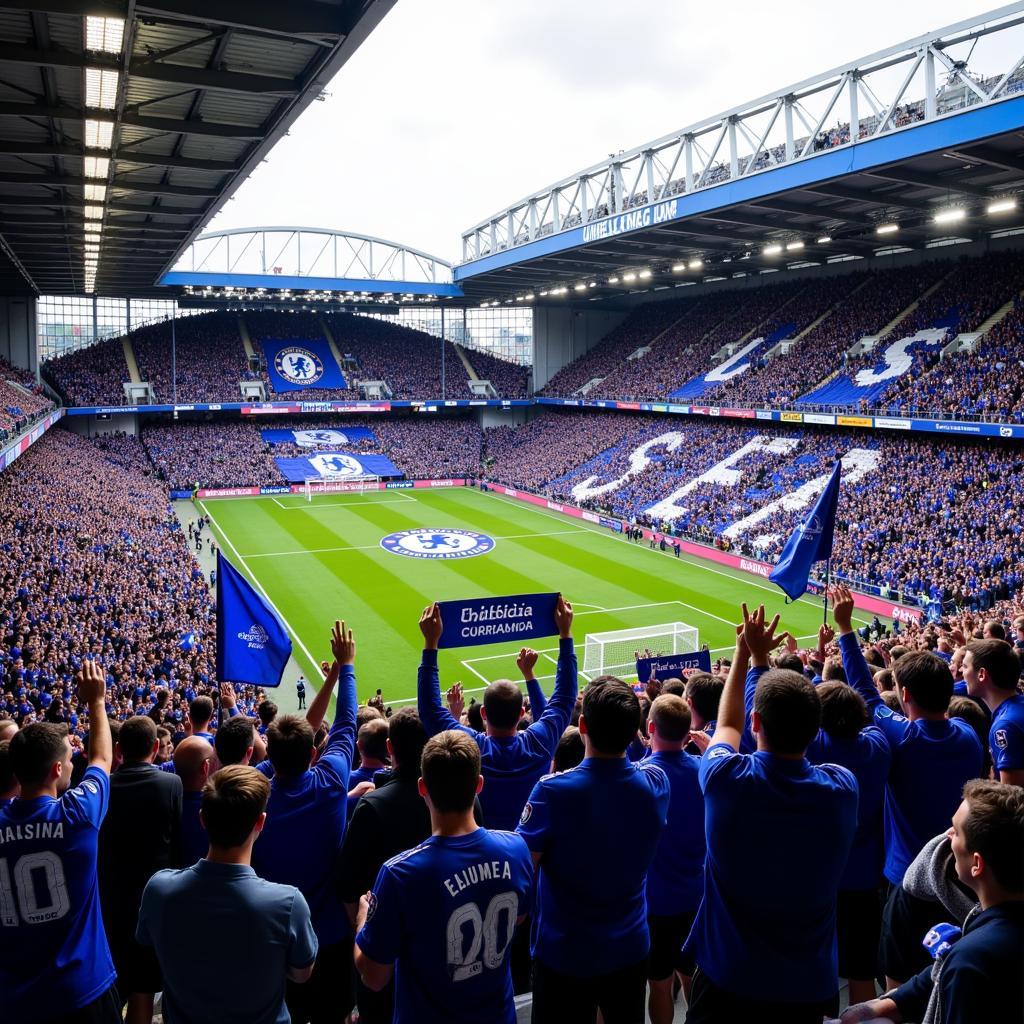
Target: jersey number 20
point(465, 962)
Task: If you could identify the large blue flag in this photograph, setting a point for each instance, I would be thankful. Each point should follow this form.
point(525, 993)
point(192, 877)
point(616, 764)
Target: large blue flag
point(354, 465)
point(252, 644)
point(298, 365)
point(811, 541)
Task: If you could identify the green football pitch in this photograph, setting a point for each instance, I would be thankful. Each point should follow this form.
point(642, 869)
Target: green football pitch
point(323, 560)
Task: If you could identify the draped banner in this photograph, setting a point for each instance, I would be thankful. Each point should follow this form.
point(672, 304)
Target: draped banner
point(672, 666)
point(297, 365)
point(324, 438)
point(335, 464)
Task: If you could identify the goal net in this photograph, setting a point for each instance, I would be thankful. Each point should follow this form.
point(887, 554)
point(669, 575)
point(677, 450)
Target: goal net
point(616, 650)
point(339, 484)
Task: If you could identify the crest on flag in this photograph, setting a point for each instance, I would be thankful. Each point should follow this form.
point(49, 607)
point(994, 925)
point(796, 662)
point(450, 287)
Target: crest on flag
point(336, 464)
point(299, 365)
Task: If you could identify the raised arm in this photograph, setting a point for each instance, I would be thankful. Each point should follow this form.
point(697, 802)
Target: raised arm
point(549, 726)
point(525, 662)
point(731, 716)
point(341, 740)
point(433, 714)
point(317, 711)
point(92, 688)
point(858, 675)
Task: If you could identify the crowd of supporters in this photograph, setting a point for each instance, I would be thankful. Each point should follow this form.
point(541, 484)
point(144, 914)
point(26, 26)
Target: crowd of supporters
point(931, 522)
point(230, 453)
point(22, 400)
point(683, 339)
point(210, 360)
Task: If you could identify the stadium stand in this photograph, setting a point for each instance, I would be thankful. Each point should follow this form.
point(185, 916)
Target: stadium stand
point(727, 482)
point(22, 400)
point(211, 360)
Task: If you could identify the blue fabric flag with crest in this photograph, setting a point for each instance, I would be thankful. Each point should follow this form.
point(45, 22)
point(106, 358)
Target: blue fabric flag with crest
point(252, 644)
point(300, 364)
point(810, 542)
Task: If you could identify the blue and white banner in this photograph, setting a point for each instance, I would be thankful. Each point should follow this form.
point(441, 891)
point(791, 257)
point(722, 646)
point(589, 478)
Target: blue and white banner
point(252, 644)
point(333, 437)
point(672, 666)
point(343, 464)
point(494, 620)
point(295, 365)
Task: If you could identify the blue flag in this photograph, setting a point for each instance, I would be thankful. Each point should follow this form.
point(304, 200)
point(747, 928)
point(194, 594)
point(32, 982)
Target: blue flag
point(492, 620)
point(252, 644)
point(811, 541)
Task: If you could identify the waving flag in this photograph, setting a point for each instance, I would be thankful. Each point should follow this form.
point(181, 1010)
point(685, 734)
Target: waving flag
point(811, 541)
point(252, 644)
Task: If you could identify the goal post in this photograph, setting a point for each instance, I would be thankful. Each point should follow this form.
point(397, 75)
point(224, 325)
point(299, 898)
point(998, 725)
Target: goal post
point(615, 651)
point(339, 484)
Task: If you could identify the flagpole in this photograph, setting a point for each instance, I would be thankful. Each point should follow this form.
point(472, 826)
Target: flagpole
point(828, 578)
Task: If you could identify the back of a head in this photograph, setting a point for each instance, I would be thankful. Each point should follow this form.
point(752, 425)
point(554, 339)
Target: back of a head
point(503, 703)
point(790, 711)
point(373, 739)
point(994, 630)
point(705, 691)
point(897, 652)
point(674, 685)
point(233, 800)
point(474, 716)
point(891, 699)
point(833, 671)
point(927, 678)
point(843, 710)
point(999, 659)
point(407, 736)
point(365, 713)
point(570, 750)
point(450, 767)
point(137, 738)
point(267, 712)
point(200, 711)
point(994, 828)
point(35, 749)
point(189, 757)
point(971, 712)
point(611, 715)
point(671, 718)
point(789, 661)
point(290, 740)
point(233, 740)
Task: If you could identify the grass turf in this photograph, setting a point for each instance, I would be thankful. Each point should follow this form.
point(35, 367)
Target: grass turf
point(322, 560)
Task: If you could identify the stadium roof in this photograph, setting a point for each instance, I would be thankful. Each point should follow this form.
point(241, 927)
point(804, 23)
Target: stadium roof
point(937, 156)
point(125, 125)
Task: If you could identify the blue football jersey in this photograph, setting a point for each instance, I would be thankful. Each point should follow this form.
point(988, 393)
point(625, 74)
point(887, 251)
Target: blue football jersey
point(444, 914)
point(54, 956)
point(1006, 736)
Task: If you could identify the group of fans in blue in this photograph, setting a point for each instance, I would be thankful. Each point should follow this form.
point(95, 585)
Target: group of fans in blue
point(605, 855)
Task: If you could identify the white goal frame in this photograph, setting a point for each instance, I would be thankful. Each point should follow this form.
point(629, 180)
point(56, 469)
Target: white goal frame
point(331, 484)
point(614, 651)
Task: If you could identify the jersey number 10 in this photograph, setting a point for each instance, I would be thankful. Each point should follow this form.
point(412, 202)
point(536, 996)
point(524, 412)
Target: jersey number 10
point(32, 911)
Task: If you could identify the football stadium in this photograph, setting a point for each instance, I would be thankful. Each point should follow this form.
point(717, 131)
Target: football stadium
point(609, 611)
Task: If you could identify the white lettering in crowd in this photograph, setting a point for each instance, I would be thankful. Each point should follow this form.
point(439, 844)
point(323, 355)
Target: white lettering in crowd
point(643, 217)
point(488, 870)
point(895, 359)
point(639, 460)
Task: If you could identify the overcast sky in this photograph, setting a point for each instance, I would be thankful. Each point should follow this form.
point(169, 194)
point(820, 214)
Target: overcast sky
point(453, 109)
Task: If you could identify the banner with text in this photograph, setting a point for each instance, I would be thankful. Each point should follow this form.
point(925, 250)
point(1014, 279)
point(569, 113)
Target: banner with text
point(672, 666)
point(336, 464)
point(324, 438)
point(297, 365)
point(494, 620)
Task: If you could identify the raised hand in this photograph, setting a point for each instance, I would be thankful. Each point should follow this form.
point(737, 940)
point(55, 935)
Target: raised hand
point(842, 607)
point(91, 682)
point(760, 638)
point(227, 696)
point(563, 618)
point(826, 634)
point(343, 644)
point(431, 626)
point(456, 701)
point(791, 644)
point(526, 660)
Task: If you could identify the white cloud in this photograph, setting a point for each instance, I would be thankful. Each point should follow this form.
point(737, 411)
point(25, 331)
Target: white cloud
point(453, 109)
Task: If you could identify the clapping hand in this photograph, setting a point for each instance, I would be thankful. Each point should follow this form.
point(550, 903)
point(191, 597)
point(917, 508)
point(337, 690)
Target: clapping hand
point(343, 644)
point(456, 701)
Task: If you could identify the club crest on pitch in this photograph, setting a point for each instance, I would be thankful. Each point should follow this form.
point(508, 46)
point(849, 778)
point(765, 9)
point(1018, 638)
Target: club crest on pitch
point(440, 542)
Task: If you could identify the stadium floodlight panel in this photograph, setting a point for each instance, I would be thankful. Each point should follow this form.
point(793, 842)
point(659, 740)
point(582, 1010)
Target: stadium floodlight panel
point(96, 193)
point(101, 88)
point(771, 250)
point(543, 292)
point(580, 287)
point(794, 246)
point(1002, 206)
point(96, 166)
point(887, 229)
point(529, 297)
point(94, 213)
point(104, 35)
point(98, 134)
point(949, 216)
point(695, 264)
point(678, 268)
point(824, 240)
point(644, 274)
point(613, 280)
point(593, 284)
point(629, 277)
